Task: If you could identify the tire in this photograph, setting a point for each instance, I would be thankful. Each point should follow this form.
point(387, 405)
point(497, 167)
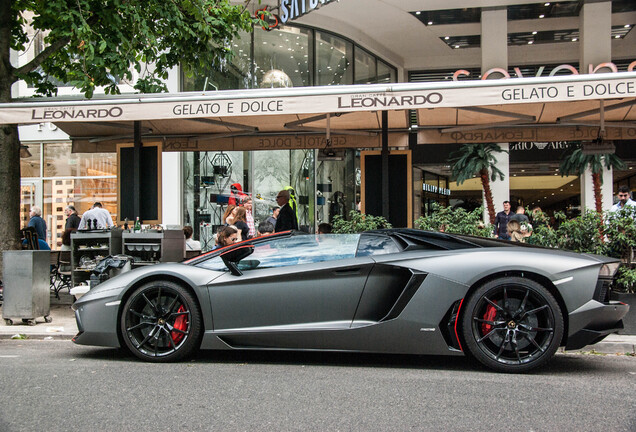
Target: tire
point(161, 322)
point(512, 325)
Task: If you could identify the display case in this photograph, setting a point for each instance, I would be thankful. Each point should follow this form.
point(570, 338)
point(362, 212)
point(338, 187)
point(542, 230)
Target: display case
point(151, 247)
point(90, 247)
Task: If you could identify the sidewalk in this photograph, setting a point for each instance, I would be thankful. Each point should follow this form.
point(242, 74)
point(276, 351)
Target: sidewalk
point(64, 326)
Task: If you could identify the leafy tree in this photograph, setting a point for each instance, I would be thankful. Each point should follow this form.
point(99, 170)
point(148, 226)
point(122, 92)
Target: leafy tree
point(473, 159)
point(93, 44)
point(575, 162)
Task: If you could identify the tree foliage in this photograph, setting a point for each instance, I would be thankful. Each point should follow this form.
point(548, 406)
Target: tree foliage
point(478, 159)
point(98, 44)
point(454, 220)
point(358, 222)
point(93, 43)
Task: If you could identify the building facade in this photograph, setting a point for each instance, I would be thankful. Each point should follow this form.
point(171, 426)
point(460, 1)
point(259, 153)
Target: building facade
point(348, 42)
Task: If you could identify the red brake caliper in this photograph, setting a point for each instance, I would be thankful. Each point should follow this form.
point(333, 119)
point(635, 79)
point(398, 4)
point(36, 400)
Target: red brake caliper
point(490, 315)
point(181, 323)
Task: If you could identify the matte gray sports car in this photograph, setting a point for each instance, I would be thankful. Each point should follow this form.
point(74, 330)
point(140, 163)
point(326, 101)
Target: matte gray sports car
point(509, 306)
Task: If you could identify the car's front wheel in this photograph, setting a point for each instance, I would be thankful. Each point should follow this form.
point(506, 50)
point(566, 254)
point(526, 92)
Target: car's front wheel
point(161, 322)
point(512, 324)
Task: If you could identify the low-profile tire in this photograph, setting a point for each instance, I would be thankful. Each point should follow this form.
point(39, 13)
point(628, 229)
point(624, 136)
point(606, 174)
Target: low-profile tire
point(512, 324)
point(161, 322)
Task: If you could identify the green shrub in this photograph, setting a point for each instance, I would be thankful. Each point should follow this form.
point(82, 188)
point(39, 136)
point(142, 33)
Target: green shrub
point(454, 220)
point(358, 222)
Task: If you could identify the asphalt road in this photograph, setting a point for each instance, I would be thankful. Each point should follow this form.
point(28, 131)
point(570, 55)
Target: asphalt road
point(59, 386)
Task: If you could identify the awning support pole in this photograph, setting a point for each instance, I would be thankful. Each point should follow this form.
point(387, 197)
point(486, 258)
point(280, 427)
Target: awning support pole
point(136, 181)
point(385, 165)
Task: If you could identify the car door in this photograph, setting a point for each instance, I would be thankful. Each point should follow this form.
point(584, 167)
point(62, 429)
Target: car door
point(307, 291)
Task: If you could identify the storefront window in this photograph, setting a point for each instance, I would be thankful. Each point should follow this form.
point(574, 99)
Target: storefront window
point(30, 165)
point(365, 67)
point(287, 50)
point(207, 177)
point(59, 161)
point(226, 75)
point(386, 74)
point(334, 59)
point(284, 57)
point(81, 193)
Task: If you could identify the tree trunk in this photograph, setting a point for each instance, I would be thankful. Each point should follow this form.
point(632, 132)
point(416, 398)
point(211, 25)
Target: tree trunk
point(598, 194)
point(9, 148)
point(490, 206)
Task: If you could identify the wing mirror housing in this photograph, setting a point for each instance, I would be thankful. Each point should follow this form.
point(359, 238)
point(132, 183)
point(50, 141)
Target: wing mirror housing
point(232, 257)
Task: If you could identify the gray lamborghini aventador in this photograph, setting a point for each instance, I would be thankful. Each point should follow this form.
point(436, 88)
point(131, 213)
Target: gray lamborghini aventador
point(509, 306)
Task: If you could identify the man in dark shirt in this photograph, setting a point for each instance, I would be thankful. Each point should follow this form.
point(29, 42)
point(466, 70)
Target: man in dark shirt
point(72, 219)
point(501, 222)
point(286, 219)
point(37, 222)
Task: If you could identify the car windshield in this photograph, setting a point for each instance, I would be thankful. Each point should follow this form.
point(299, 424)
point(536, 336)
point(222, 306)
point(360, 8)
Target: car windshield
point(302, 249)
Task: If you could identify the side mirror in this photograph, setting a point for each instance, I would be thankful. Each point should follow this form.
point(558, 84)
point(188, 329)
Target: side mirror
point(232, 257)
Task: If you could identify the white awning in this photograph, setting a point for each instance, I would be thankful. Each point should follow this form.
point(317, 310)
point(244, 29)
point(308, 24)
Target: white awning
point(500, 110)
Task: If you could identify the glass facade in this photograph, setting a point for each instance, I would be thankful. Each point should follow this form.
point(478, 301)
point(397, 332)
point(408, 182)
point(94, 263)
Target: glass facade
point(53, 177)
point(287, 56)
point(292, 56)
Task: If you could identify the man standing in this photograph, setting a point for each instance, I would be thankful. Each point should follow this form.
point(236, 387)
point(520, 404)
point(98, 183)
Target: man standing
point(72, 219)
point(249, 217)
point(501, 222)
point(624, 199)
point(286, 217)
point(98, 217)
point(37, 222)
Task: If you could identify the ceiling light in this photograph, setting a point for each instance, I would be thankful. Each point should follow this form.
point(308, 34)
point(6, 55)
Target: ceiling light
point(534, 32)
point(446, 38)
point(418, 12)
point(530, 42)
point(456, 46)
point(627, 26)
point(617, 37)
point(541, 16)
point(574, 39)
point(430, 23)
point(547, 4)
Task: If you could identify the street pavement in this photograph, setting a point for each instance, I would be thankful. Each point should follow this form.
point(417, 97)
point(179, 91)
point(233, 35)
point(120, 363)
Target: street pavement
point(64, 326)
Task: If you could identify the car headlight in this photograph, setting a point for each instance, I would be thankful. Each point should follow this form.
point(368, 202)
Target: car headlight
point(609, 270)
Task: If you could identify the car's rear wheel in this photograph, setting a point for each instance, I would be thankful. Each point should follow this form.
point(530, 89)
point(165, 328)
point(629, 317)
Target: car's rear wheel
point(512, 324)
point(161, 322)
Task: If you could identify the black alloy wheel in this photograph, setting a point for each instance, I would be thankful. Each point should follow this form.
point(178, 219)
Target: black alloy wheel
point(512, 324)
point(161, 322)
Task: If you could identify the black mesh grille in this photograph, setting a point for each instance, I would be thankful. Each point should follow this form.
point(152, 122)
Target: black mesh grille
point(602, 292)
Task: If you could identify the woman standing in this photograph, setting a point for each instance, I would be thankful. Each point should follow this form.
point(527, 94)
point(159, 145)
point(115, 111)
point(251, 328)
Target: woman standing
point(240, 222)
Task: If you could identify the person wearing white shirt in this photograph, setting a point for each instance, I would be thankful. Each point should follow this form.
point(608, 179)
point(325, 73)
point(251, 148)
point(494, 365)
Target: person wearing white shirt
point(191, 244)
point(99, 218)
point(624, 199)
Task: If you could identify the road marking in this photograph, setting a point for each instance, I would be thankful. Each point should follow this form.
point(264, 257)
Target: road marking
point(8, 356)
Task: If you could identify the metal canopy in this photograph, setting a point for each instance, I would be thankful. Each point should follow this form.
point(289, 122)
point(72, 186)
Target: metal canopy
point(544, 108)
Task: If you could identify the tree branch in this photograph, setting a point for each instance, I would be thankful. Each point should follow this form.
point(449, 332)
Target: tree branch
point(39, 59)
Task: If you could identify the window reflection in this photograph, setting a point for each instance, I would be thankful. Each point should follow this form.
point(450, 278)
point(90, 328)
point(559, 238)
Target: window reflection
point(30, 166)
point(286, 49)
point(59, 161)
point(333, 60)
point(365, 67)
